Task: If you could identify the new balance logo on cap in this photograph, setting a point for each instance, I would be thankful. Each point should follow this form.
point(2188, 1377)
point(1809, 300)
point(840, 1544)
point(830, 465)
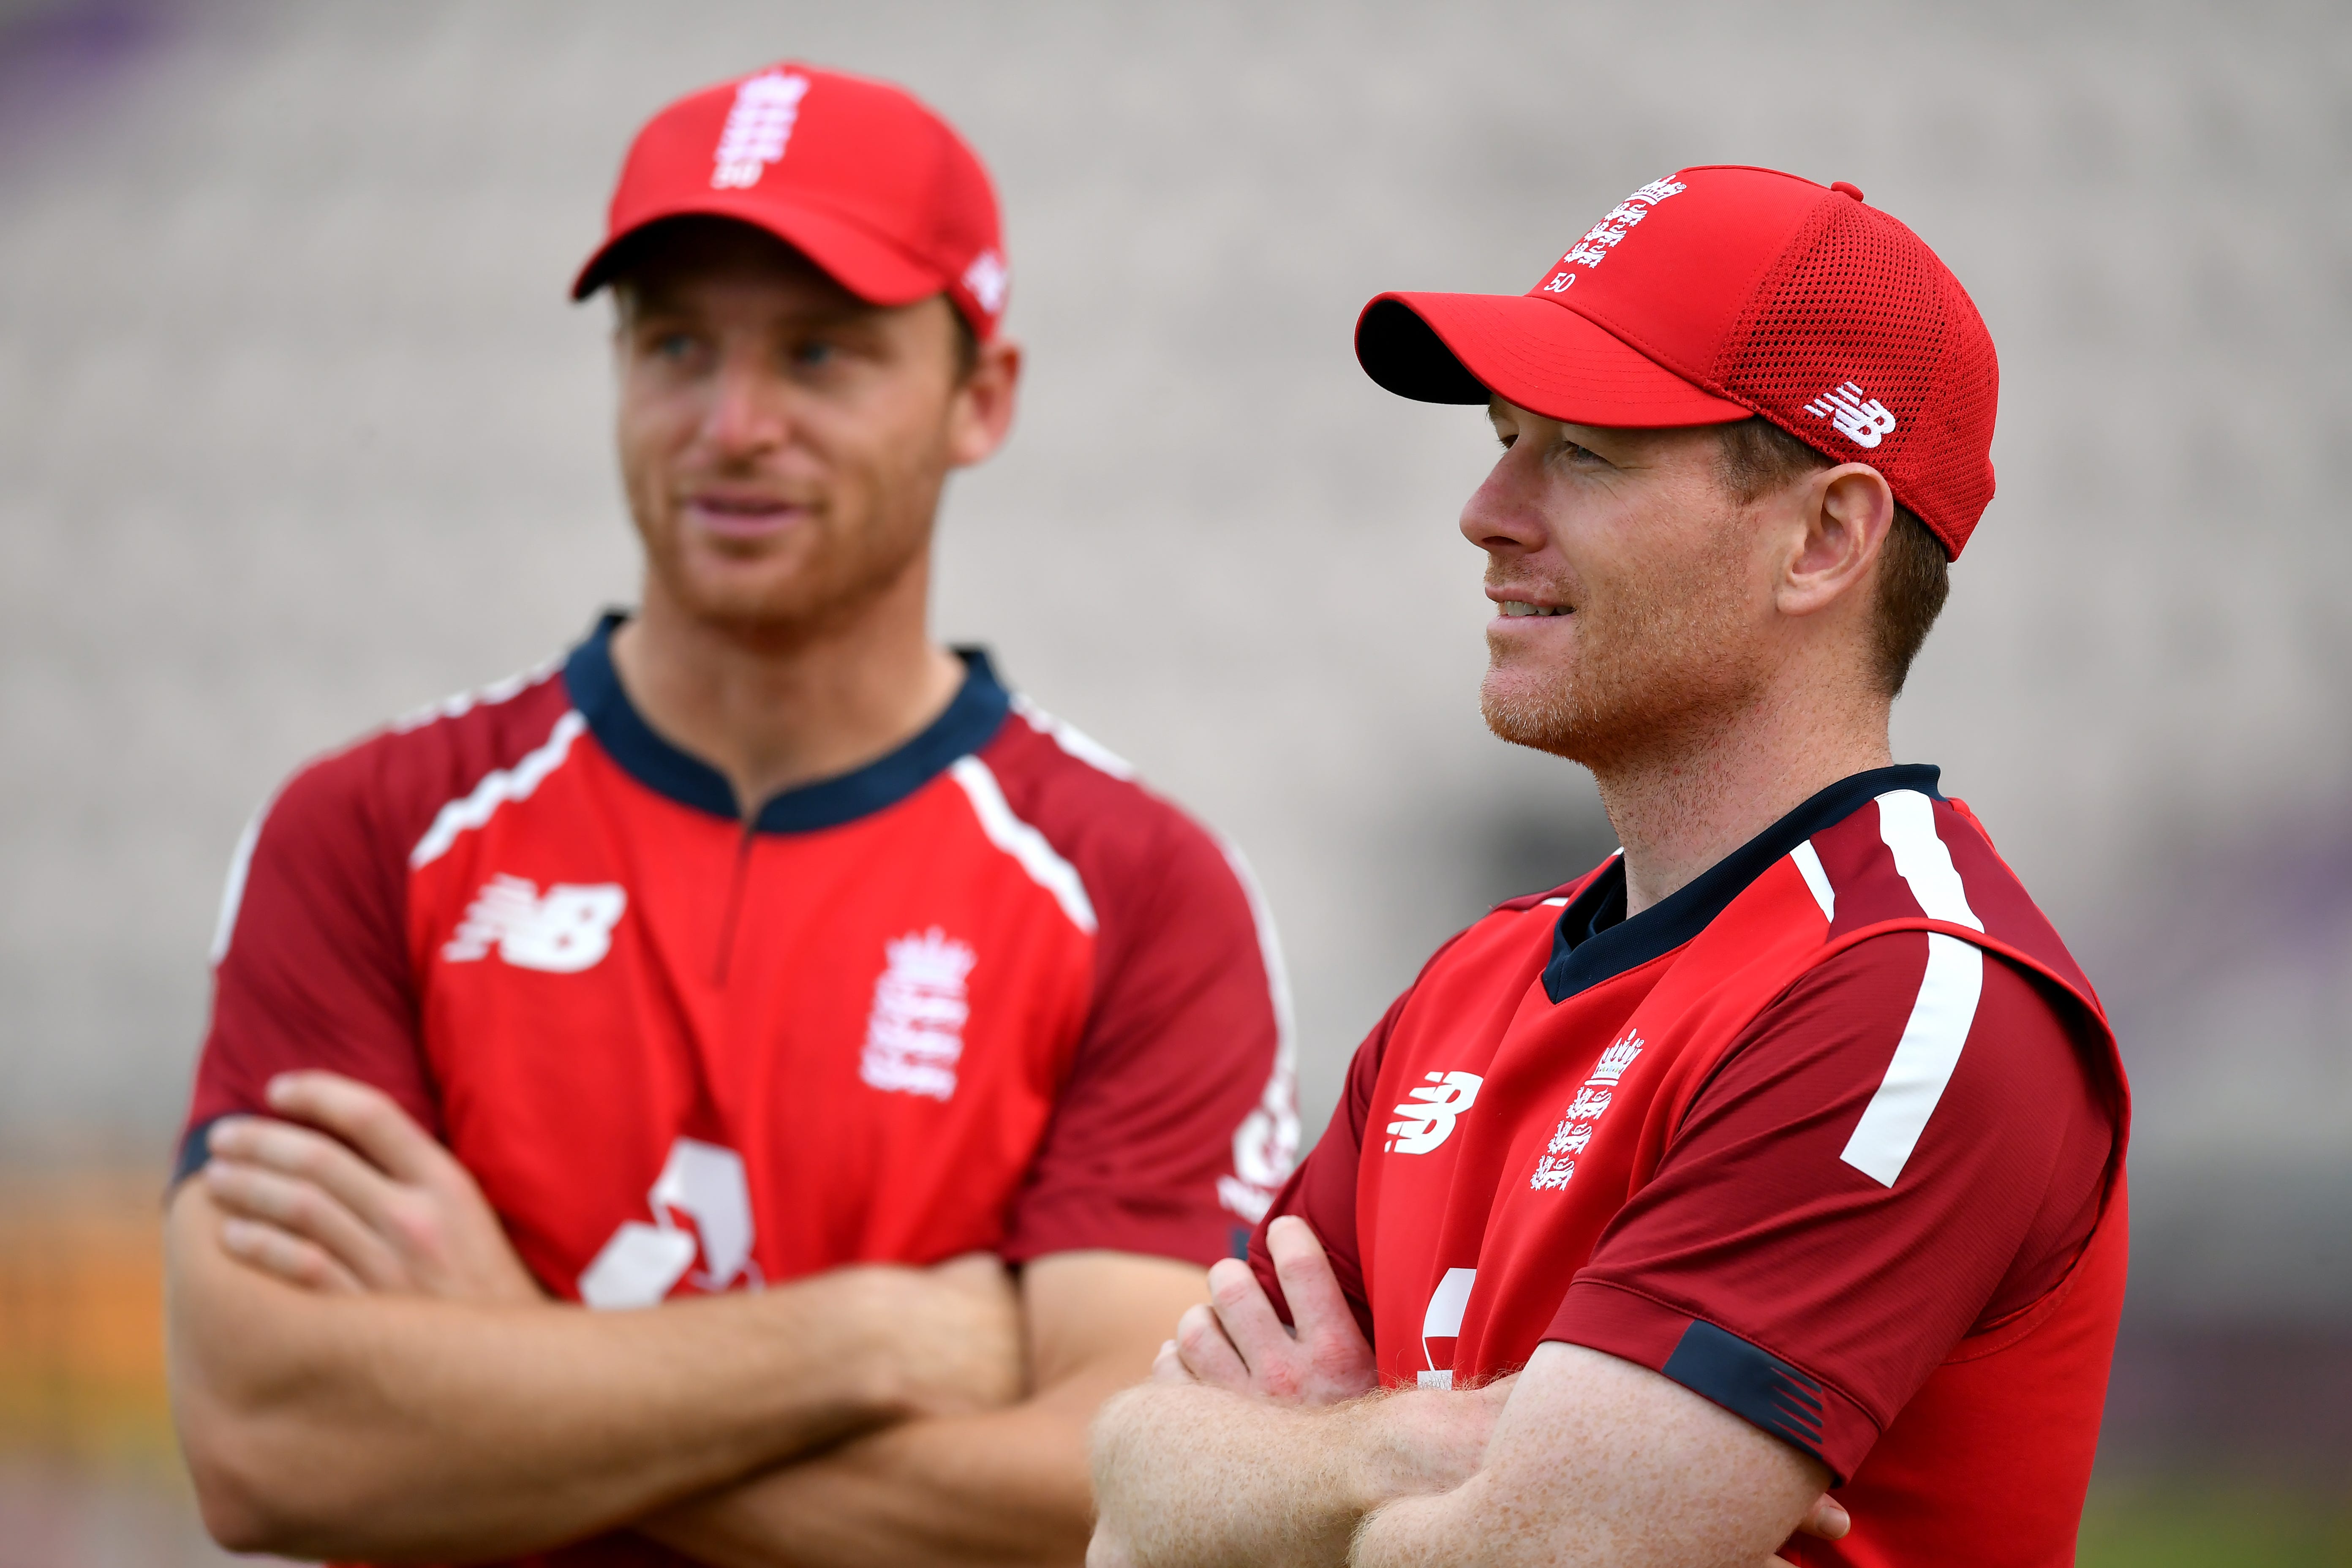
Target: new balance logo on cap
point(757, 129)
point(1748, 293)
point(564, 932)
point(986, 277)
point(1863, 420)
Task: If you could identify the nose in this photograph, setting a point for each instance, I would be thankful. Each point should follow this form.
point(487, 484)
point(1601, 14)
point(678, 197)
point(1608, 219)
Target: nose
point(1503, 516)
point(748, 413)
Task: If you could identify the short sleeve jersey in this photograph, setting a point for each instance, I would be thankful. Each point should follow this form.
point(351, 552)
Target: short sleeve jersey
point(1907, 1146)
point(987, 993)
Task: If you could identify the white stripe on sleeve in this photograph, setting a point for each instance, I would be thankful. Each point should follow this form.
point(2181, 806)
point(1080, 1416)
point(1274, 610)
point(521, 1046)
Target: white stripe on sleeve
point(1817, 881)
point(1022, 842)
point(1924, 1060)
point(1074, 742)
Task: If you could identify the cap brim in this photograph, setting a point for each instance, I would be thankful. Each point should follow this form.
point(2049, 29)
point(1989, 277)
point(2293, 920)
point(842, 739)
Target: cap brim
point(1546, 358)
point(872, 268)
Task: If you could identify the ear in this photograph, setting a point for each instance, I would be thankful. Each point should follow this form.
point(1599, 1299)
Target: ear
point(1841, 522)
point(981, 415)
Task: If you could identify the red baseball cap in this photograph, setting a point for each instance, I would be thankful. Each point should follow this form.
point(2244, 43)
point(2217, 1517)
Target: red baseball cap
point(1721, 292)
point(859, 175)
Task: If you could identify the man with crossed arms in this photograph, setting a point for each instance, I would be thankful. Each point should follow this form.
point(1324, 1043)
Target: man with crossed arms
point(761, 965)
point(1785, 1149)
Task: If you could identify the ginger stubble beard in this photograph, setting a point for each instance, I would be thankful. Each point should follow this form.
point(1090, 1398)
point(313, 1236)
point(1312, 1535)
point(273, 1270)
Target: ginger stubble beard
point(1661, 659)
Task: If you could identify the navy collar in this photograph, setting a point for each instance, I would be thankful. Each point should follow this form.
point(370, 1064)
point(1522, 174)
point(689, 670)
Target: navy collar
point(1594, 942)
point(969, 722)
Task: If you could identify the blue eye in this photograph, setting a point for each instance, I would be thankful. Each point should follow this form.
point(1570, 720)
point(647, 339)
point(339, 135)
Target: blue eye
point(816, 352)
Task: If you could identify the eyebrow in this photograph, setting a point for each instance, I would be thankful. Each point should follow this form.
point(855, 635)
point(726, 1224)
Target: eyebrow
point(644, 301)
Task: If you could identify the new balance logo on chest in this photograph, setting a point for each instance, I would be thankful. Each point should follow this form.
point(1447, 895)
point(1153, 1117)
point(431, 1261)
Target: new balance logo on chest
point(1426, 1118)
point(563, 931)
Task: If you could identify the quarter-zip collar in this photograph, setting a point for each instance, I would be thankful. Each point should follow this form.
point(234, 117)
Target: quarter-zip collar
point(969, 722)
point(1594, 942)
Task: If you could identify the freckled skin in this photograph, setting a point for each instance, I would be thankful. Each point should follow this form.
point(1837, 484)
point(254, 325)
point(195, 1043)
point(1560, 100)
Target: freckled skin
point(1716, 668)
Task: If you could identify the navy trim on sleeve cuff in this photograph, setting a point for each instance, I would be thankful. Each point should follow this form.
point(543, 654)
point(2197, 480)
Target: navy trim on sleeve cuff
point(1751, 1383)
point(195, 1150)
point(1801, 1408)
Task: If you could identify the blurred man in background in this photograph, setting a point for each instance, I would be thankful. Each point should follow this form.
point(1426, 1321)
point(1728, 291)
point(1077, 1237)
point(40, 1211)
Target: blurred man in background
point(761, 965)
point(1783, 1150)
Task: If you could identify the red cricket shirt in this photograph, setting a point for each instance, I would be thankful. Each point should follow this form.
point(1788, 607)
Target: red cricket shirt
point(986, 993)
point(1832, 1137)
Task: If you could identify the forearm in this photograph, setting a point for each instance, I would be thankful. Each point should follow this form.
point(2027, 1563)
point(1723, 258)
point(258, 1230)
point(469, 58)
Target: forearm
point(1186, 1474)
point(1598, 1463)
point(1007, 1487)
point(406, 1427)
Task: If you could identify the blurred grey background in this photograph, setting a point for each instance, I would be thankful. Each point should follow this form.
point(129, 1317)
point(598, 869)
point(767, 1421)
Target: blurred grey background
point(297, 431)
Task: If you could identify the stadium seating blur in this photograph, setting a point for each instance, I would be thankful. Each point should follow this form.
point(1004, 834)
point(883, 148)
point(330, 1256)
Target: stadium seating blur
point(297, 431)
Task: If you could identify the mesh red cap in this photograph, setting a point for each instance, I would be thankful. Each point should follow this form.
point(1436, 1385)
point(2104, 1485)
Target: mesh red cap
point(857, 175)
point(1717, 294)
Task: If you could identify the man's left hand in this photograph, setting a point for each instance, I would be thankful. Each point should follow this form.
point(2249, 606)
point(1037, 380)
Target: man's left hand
point(348, 1194)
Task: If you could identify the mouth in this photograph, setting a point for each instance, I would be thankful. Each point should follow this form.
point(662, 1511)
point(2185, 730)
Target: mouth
point(1514, 609)
point(735, 515)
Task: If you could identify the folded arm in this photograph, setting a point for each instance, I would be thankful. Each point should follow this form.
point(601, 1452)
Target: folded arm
point(1595, 1460)
point(352, 1376)
point(1247, 1448)
point(1590, 1460)
point(1003, 1486)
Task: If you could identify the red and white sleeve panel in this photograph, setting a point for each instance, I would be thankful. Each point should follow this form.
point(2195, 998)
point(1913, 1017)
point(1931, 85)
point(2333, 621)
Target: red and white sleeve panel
point(1912, 1144)
point(310, 964)
point(1177, 1120)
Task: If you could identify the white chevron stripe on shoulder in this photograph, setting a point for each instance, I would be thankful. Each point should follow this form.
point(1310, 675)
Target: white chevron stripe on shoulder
point(1907, 825)
point(1073, 741)
point(491, 696)
point(1817, 881)
point(1022, 842)
point(1941, 1016)
point(498, 786)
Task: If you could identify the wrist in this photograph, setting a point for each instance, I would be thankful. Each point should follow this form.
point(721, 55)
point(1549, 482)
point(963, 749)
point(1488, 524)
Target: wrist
point(850, 1318)
point(1404, 1445)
